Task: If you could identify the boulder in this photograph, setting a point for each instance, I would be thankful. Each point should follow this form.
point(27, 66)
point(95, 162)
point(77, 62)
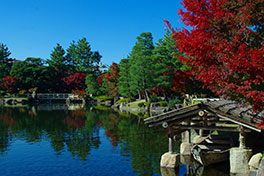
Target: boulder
point(254, 161)
point(170, 160)
point(185, 148)
point(260, 171)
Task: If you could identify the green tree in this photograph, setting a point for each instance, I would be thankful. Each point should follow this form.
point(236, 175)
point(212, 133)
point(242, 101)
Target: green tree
point(59, 68)
point(123, 81)
point(92, 85)
point(164, 63)
point(81, 56)
point(31, 73)
point(4, 58)
point(140, 61)
point(57, 59)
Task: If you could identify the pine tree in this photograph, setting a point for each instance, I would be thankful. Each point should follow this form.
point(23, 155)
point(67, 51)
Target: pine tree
point(92, 85)
point(123, 81)
point(164, 64)
point(4, 58)
point(140, 61)
point(82, 58)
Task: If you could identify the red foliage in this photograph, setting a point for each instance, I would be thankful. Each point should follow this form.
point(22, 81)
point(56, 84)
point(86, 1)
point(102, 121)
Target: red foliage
point(224, 44)
point(100, 80)
point(180, 81)
point(80, 93)
point(75, 81)
point(112, 79)
point(10, 83)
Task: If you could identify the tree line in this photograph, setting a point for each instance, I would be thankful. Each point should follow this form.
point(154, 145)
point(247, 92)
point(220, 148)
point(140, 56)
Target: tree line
point(149, 70)
point(64, 71)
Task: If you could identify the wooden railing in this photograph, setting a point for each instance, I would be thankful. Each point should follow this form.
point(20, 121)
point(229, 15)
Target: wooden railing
point(61, 96)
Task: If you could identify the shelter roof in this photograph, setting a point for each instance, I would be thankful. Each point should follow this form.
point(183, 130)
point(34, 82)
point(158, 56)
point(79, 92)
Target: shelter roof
point(225, 109)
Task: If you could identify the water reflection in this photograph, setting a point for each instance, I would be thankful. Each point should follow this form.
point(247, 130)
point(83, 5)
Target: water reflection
point(79, 133)
point(94, 137)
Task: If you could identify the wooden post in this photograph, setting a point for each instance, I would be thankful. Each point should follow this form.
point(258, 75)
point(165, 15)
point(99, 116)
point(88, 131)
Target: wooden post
point(242, 138)
point(171, 142)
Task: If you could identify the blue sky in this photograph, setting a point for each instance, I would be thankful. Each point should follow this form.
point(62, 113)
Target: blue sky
point(32, 28)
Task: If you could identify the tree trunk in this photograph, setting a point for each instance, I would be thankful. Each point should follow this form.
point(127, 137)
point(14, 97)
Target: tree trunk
point(146, 96)
point(139, 95)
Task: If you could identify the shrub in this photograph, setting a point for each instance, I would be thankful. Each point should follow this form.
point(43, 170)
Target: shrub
point(142, 104)
point(104, 98)
point(172, 102)
point(163, 103)
point(124, 100)
point(154, 99)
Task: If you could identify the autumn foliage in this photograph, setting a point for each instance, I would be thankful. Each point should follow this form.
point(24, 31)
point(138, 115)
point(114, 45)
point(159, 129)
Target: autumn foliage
point(75, 82)
point(10, 83)
point(112, 79)
point(224, 44)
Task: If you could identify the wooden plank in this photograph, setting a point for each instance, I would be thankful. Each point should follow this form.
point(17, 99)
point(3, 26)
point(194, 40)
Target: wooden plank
point(174, 119)
point(170, 114)
point(234, 119)
point(231, 129)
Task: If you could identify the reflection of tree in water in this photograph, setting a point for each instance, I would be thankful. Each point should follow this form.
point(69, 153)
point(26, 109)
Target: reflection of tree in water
point(79, 141)
point(78, 132)
point(143, 145)
point(65, 129)
point(6, 120)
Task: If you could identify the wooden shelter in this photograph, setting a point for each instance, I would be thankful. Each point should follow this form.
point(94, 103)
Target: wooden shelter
point(221, 115)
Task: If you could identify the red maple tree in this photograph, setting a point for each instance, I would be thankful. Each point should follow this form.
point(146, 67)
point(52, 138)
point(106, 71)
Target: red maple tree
point(112, 79)
point(10, 83)
point(223, 42)
point(75, 82)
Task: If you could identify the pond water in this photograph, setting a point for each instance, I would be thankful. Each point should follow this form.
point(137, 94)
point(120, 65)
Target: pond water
point(45, 141)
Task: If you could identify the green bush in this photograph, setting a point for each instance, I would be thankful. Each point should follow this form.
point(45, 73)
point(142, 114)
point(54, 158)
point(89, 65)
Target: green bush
point(124, 100)
point(142, 104)
point(154, 99)
point(163, 103)
point(104, 98)
point(172, 102)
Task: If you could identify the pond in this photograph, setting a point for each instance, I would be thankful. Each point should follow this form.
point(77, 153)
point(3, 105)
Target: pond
point(88, 141)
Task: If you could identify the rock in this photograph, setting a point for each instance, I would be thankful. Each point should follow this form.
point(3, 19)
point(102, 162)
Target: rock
point(254, 161)
point(168, 171)
point(170, 160)
point(252, 173)
point(185, 148)
point(239, 160)
point(186, 159)
point(260, 171)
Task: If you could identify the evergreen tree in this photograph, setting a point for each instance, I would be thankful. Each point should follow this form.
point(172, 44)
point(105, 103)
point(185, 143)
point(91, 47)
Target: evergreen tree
point(164, 63)
point(57, 59)
point(123, 81)
point(4, 58)
point(59, 68)
point(81, 56)
point(92, 85)
point(140, 61)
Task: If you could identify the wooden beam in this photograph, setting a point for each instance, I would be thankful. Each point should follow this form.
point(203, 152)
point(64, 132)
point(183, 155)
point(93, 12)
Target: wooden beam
point(183, 112)
point(234, 120)
point(187, 127)
point(177, 118)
